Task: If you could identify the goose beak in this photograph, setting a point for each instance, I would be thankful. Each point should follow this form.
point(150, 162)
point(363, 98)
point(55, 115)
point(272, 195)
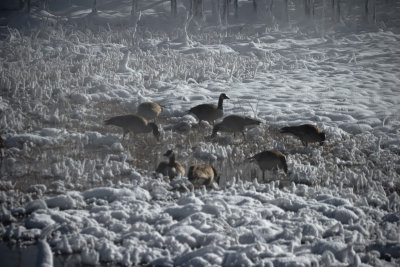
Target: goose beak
point(250, 159)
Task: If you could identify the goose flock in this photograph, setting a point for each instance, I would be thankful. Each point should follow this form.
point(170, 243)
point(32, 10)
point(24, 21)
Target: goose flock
point(204, 174)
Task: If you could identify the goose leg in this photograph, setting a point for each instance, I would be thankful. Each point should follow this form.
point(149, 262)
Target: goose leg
point(123, 139)
point(133, 143)
point(304, 143)
point(123, 136)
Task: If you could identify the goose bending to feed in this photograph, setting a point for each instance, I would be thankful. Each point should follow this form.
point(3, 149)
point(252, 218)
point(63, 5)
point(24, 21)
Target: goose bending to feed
point(209, 112)
point(270, 160)
point(202, 174)
point(135, 124)
point(307, 133)
point(233, 124)
point(149, 110)
point(170, 168)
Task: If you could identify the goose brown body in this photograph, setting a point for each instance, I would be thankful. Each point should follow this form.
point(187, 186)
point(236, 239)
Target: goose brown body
point(170, 168)
point(270, 160)
point(209, 112)
point(307, 133)
point(202, 174)
point(149, 110)
point(133, 123)
point(233, 124)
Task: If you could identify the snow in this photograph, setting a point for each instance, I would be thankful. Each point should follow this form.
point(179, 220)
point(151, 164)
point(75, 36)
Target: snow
point(71, 185)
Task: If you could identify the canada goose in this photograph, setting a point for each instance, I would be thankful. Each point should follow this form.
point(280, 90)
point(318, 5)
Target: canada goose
point(209, 112)
point(234, 123)
point(133, 123)
point(149, 110)
point(202, 174)
point(270, 160)
point(307, 133)
point(170, 168)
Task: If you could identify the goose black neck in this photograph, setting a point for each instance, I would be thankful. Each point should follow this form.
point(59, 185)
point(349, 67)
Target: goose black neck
point(220, 102)
point(172, 159)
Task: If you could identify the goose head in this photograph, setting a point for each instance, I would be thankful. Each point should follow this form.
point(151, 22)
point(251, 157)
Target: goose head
point(223, 96)
point(169, 153)
point(155, 130)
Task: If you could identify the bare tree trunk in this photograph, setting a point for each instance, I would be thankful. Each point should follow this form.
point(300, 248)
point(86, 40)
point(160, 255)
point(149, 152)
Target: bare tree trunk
point(43, 4)
point(236, 5)
point(216, 11)
point(197, 8)
point(271, 5)
point(94, 8)
point(286, 11)
point(306, 8)
point(312, 4)
point(186, 38)
point(174, 8)
point(29, 6)
point(268, 10)
point(338, 11)
point(255, 5)
point(226, 11)
point(134, 7)
point(309, 8)
point(370, 6)
point(373, 12)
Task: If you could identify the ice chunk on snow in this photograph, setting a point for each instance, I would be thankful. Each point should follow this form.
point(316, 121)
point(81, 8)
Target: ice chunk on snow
point(63, 246)
point(44, 256)
point(213, 253)
point(189, 199)
point(97, 139)
point(77, 98)
point(51, 132)
point(187, 234)
point(112, 194)
point(302, 260)
point(356, 128)
point(20, 139)
point(110, 253)
point(35, 205)
point(181, 212)
point(117, 147)
point(62, 201)
point(344, 215)
point(38, 189)
point(98, 232)
point(38, 220)
point(336, 248)
point(123, 64)
point(335, 201)
point(90, 256)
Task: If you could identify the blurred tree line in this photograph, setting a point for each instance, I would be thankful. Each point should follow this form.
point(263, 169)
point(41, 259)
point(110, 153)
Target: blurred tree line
point(223, 10)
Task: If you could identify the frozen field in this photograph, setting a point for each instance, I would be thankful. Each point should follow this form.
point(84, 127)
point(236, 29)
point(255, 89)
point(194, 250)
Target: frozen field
point(70, 185)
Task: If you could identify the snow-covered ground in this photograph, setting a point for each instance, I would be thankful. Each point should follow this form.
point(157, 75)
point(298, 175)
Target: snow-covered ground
point(69, 184)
